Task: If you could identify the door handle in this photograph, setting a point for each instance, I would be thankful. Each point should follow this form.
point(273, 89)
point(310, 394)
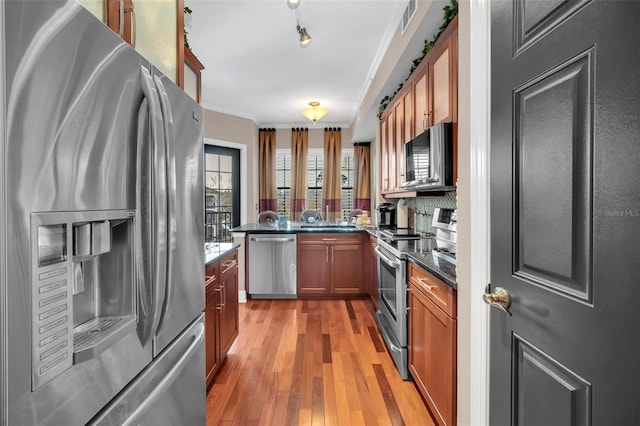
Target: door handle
point(499, 298)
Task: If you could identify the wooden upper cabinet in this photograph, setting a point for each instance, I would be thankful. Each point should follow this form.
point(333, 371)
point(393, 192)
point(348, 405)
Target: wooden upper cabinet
point(420, 104)
point(384, 155)
point(154, 28)
point(192, 75)
point(444, 82)
point(408, 116)
point(399, 142)
point(430, 96)
point(391, 148)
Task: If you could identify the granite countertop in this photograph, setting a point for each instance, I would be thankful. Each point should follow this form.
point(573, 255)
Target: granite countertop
point(299, 227)
point(214, 251)
point(436, 264)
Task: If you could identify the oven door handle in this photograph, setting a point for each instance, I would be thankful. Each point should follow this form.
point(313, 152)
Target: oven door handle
point(385, 259)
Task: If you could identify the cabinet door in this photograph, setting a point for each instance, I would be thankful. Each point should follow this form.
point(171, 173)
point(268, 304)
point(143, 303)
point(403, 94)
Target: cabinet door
point(212, 349)
point(399, 141)
point(154, 29)
point(432, 355)
point(313, 264)
point(391, 149)
point(229, 309)
point(420, 107)
point(408, 116)
point(346, 269)
point(443, 81)
point(384, 155)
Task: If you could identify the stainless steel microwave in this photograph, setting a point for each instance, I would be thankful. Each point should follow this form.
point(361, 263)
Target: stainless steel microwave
point(429, 159)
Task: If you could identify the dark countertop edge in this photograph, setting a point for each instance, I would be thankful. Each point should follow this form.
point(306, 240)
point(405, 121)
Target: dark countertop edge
point(435, 271)
point(252, 229)
point(222, 253)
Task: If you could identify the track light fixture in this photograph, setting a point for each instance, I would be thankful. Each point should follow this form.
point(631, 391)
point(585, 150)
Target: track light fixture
point(305, 38)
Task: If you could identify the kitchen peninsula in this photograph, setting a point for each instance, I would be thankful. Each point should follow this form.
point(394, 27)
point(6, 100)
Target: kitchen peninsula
point(333, 259)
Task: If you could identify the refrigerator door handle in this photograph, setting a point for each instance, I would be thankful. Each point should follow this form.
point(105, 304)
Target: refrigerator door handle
point(154, 247)
point(171, 187)
point(167, 380)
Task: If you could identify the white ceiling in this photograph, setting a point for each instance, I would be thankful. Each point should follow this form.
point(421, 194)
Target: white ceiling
point(255, 67)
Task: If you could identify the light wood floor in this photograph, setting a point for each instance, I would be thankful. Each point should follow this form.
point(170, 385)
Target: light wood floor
point(308, 362)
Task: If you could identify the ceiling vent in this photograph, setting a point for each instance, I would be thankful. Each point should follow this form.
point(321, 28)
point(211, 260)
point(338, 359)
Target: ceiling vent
point(408, 13)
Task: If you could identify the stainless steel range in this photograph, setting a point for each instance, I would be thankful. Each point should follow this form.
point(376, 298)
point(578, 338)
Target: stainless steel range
point(392, 290)
point(392, 250)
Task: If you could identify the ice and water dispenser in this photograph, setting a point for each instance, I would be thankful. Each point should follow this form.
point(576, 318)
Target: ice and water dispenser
point(83, 287)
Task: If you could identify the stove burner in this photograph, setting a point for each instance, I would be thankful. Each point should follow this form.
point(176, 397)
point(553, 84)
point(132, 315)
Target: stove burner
point(399, 234)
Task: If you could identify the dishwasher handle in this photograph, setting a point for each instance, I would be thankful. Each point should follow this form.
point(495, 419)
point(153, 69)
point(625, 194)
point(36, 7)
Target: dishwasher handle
point(273, 240)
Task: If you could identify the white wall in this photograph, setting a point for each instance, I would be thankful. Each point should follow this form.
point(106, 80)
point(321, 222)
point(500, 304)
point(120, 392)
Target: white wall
point(240, 133)
point(316, 138)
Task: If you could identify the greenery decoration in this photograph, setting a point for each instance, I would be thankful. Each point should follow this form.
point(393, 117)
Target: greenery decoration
point(187, 11)
point(450, 12)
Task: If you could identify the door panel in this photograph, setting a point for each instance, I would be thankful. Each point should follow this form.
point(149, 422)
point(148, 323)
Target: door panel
point(561, 397)
point(564, 212)
point(553, 161)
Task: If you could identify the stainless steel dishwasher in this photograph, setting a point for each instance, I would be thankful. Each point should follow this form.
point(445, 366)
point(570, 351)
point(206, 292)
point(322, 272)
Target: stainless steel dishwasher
point(272, 266)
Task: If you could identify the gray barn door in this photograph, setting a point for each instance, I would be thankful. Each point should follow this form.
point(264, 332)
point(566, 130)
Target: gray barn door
point(565, 212)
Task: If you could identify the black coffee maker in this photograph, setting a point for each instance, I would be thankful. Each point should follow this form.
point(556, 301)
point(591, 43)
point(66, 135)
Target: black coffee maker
point(386, 215)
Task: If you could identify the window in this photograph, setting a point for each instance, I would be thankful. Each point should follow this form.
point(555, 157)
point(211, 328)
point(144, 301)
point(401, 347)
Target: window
point(222, 192)
point(283, 181)
point(315, 166)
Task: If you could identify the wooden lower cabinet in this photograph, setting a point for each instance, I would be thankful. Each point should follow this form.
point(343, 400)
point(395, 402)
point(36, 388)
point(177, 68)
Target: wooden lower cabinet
point(221, 312)
point(229, 297)
point(212, 341)
point(330, 265)
point(312, 269)
point(432, 344)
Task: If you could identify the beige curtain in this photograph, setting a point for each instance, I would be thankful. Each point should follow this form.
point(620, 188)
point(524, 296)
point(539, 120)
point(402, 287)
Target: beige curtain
point(362, 176)
point(332, 184)
point(267, 192)
point(299, 154)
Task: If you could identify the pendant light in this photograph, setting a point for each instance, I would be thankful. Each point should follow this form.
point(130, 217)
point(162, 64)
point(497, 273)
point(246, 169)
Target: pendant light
point(314, 112)
point(293, 3)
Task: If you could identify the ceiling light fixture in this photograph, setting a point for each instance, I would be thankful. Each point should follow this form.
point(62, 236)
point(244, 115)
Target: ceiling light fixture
point(315, 112)
point(305, 38)
point(293, 3)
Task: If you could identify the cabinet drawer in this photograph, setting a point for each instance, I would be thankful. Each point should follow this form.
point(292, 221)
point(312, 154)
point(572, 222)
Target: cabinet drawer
point(354, 238)
point(435, 289)
point(212, 273)
point(229, 262)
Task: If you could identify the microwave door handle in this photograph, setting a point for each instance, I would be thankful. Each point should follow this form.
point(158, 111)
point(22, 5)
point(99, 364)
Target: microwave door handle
point(385, 259)
point(153, 216)
point(170, 187)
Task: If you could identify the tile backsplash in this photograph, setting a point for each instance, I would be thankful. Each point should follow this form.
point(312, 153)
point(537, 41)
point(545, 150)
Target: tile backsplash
point(423, 207)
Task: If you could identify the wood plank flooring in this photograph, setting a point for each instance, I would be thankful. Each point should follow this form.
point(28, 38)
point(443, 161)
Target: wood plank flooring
point(311, 362)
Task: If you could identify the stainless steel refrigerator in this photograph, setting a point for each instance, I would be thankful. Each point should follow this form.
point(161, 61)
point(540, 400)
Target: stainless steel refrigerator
point(101, 218)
